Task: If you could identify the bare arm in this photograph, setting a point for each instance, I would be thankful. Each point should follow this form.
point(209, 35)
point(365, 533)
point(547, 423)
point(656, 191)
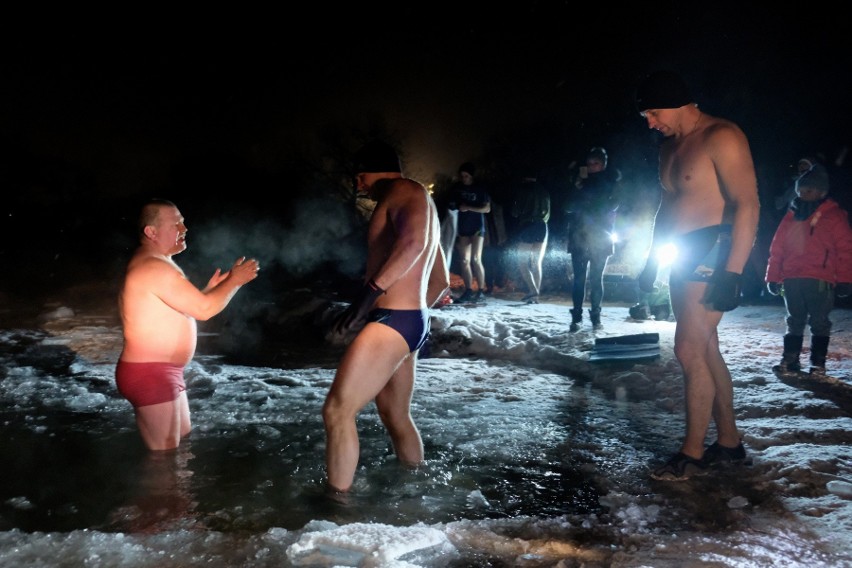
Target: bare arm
point(481, 209)
point(408, 212)
point(439, 279)
point(729, 150)
point(170, 285)
point(662, 227)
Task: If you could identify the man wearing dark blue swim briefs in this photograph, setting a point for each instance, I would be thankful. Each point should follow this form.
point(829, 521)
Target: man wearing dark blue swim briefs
point(412, 325)
point(406, 274)
point(710, 209)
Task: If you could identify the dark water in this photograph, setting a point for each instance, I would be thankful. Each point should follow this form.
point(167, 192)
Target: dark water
point(71, 473)
point(255, 459)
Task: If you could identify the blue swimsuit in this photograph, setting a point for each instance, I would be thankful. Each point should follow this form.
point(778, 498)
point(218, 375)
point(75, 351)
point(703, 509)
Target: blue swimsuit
point(412, 325)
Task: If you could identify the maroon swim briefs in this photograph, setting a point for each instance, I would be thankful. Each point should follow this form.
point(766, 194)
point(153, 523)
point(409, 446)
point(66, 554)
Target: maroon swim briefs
point(144, 384)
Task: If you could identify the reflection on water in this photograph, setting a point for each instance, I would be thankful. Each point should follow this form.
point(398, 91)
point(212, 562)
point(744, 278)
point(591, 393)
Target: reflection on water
point(162, 499)
point(77, 471)
point(256, 457)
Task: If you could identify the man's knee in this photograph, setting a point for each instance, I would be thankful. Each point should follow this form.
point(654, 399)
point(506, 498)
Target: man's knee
point(686, 352)
point(331, 411)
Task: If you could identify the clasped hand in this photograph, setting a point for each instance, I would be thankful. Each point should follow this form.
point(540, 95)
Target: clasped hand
point(243, 271)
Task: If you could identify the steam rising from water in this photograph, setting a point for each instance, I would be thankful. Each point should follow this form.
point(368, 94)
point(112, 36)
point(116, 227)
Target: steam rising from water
point(312, 234)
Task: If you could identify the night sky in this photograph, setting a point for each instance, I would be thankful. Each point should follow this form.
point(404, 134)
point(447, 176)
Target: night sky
point(215, 110)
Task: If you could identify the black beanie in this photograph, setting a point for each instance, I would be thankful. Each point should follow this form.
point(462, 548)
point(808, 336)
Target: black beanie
point(468, 167)
point(375, 157)
point(662, 89)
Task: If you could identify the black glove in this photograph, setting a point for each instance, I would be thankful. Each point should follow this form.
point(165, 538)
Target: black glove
point(723, 291)
point(355, 316)
point(843, 289)
point(648, 276)
point(773, 288)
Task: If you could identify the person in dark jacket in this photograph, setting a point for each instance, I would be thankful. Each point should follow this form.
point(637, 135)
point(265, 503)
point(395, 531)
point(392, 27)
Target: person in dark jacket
point(810, 259)
point(591, 214)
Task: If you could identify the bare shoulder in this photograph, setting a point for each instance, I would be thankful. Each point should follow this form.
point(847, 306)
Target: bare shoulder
point(407, 191)
point(406, 185)
point(144, 265)
point(722, 129)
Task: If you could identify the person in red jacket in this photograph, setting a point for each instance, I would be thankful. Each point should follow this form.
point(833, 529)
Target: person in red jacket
point(810, 262)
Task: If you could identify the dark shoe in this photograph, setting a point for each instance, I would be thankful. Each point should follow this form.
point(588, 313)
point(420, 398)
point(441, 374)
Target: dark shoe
point(530, 299)
point(595, 317)
point(818, 372)
point(680, 467)
point(790, 358)
point(819, 350)
point(718, 453)
point(660, 313)
point(479, 296)
point(638, 312)
point(787, 369)
point(466, 297)
point(575, 326)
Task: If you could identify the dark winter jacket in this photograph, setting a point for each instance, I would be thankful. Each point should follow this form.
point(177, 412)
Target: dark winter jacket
point(819, 246)
point(591, 215)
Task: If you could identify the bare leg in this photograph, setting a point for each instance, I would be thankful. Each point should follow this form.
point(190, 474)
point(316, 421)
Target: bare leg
point(708, 385)
point(163, 425)
point(723, 404)
point(478, 269)
point(394, 405)
point(368, 364)
point(536, 263)
point(464, 247)
point(526, 264)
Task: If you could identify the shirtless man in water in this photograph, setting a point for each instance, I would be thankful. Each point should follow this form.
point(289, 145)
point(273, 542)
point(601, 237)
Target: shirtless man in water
point(406, 273)
point(709, 209)
point(159, 308)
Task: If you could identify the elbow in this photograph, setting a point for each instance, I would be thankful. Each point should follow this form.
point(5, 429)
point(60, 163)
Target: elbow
point(206, 311)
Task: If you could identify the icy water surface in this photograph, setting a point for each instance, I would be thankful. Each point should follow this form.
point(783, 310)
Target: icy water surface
point(255, 459)
point(529, 459)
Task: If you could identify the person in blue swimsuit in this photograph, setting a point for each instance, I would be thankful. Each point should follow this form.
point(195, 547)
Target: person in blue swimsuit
point(406, 274)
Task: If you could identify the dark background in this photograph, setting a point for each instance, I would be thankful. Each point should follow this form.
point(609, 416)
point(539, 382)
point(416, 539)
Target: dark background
point(247, 119)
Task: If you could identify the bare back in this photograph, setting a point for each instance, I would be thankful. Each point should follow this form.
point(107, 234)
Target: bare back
point(403, 244)
point(153, 330)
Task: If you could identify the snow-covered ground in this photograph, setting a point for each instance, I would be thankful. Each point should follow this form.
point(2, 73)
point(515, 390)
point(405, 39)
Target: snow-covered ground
point(535, 456)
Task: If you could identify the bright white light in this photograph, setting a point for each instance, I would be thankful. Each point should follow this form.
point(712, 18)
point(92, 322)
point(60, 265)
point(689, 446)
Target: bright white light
point(613, 236)
point(666, 255)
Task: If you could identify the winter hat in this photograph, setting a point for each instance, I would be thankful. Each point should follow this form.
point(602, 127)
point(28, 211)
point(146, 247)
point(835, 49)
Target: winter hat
point(598, 153)
point(808, 163)
point(662, 89)
point(376, 156)
point(468, 167)
point(816, 178)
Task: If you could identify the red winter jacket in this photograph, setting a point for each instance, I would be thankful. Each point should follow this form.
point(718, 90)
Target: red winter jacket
point(819, 247)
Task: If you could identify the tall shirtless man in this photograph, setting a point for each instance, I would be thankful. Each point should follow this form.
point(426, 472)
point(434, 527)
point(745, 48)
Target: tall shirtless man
point(710, 210)
point(159, 308)
point(406, 273)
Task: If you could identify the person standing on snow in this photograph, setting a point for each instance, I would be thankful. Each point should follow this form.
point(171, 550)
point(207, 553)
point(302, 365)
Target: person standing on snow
point(810, 258)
